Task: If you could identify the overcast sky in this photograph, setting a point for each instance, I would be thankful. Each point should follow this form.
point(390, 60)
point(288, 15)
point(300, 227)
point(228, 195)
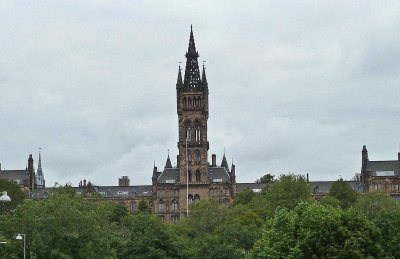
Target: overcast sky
point(295, 86)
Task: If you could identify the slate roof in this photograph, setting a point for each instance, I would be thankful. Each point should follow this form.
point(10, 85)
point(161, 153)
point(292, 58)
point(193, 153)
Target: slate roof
point(107, 191)
point(168, 174)
point(316, 186)
point(216, 173)
point(252, 186)
point(378, 166)
point(14, 175)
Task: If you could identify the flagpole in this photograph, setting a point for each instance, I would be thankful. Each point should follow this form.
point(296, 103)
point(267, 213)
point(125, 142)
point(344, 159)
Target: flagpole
point(187, 179)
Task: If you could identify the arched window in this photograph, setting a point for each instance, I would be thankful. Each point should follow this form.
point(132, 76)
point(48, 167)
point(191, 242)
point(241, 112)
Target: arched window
point(174, 219)
point(133, 207)
point(197, 155)
point(189, 157)
point(199, 102)
point(190, 199)
point(161, 206)
point(226, 201)
point(188, 133)
point(196, 198)
point(162, 218)
point(174, 206)
point(197, 131)
point(190, 103)
point(197, 176)
point(184, 103)
point(190, 176)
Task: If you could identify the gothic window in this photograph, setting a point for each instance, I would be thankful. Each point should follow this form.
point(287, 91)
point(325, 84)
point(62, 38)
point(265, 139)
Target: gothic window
point(197, 176)
point(188, 133)
point(161, 206)
point(197, 155)
point(162, 218)
point(184, 103)
point(190, 176)
point(174, 219)
point(226, 201)
point(189, 157)
point(188, 130)
point(133, 207)
point(174, 206)
point(199, 102)
point(190, 103)
point(190, 199)
point(196, 198)
point(197, 131)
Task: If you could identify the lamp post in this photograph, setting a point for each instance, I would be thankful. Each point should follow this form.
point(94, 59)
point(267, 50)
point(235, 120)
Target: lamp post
point(4, 197)
point(19, 237)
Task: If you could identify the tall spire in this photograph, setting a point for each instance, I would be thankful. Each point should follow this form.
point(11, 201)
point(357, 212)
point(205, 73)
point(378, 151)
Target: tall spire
point(179, 82)
point(203, 76)
point(39, 175)
point(192, 72)
point(168, 164)
point(224, 163)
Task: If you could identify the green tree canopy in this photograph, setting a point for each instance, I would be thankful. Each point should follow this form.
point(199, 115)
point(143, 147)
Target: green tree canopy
point(315, 231)
point(64, 225)
point(343, 191)
point(14, 191)
point(288, 191)
point(268, 178)
point(244, 197)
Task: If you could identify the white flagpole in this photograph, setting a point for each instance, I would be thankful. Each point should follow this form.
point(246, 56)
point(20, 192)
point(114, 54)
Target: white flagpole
point(187, 179)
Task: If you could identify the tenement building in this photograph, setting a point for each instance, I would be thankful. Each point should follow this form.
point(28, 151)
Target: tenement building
point(193, 178)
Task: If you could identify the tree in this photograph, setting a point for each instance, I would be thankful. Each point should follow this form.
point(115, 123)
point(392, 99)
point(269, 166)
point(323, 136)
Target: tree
point(241, 228)
point(384, 211)
point(312, 230)
point(244, 197)
point(148, 238)
point(268, 178)
point(14, 191)
point(64, 225)
point(288, 191)
point(143, 206)
point(343, 191)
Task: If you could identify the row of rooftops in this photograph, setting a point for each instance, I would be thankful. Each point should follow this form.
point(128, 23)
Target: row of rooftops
point(136, 192)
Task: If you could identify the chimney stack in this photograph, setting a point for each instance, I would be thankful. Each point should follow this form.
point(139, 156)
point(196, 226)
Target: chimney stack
point(124, 181)
point(213, 160)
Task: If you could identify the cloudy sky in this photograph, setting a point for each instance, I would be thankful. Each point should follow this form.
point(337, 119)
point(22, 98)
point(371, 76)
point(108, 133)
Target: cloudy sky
point(295, 86)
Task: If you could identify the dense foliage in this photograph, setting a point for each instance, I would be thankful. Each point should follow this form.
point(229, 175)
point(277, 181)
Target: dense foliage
point(283, 221)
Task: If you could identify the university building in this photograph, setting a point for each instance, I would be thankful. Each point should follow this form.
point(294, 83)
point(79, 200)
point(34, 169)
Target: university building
point(194, 177)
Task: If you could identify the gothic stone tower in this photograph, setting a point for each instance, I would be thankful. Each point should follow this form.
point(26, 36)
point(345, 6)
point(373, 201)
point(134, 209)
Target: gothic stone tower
point(192, 109)
point(205, 180)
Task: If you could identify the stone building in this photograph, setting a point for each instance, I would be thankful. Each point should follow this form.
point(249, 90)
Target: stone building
point(26, 178)
point(194, 178)
point(381, 175)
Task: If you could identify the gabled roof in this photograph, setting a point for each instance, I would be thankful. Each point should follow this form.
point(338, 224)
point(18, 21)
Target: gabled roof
point(14, 175)
point(106, 191)
point(169, 175)
point(383, 166)
point(218, 174)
